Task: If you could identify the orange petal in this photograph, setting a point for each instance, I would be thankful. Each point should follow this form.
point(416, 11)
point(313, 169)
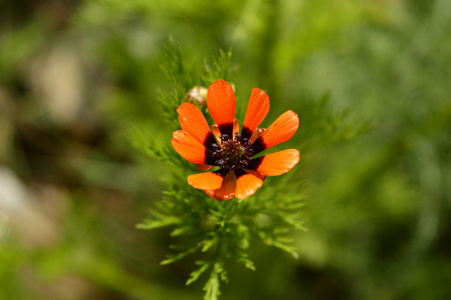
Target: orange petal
point(202, 167)
point(257, 109)
point(256, 174)
point(227, 189)
point(246, 185)
point(216, 132)
point(189, 148)
point(280, 131)
point(236, 127)
point(257, 132)
point(193, 121)
point(205, 181)
point(210, 193)
point(222, 105)
point(278, 163)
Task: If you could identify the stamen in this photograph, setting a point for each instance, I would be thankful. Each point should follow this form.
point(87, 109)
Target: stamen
point(224, 137)
point(232, 153)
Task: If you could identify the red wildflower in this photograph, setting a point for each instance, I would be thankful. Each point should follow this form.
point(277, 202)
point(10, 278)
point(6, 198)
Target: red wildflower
point(239, 174)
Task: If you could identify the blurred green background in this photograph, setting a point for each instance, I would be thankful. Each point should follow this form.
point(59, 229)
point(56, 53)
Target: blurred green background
point(77, 76)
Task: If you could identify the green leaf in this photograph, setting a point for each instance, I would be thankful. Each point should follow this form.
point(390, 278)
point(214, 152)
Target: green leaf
point(178, 256)
point(195, 274)
point(152, 224)
point(208, 244)
point(211, 289)
point(246, 261)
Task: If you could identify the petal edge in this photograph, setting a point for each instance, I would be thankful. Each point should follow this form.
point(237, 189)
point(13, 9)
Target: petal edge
point(193, 121)
point(278, 163)
point(256, 111)
point(222, 105)
point(188, 147)
point(281, 130)
point(205, 181)
point(247, 185)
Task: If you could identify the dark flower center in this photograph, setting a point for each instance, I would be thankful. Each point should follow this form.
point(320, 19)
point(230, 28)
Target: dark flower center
point(232, 153)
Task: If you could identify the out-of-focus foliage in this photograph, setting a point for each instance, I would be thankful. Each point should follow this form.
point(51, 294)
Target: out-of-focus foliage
point(79, 83)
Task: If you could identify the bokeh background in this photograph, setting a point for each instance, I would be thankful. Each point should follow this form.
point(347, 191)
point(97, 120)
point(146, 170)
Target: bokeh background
point(77, 76)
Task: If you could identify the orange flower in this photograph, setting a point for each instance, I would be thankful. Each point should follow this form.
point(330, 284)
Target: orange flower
point(239, 173)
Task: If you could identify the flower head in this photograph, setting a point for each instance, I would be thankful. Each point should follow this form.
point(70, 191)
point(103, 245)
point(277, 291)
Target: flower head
point(240, 173)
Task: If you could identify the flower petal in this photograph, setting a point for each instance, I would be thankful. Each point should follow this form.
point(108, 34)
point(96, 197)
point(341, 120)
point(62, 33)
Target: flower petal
point(276, 163)
point(193, 121)
point(257, 132)
point(246, 185)
point(256, 174)
point(216, 132)
point(191, 149)
point(205, 181)
point(257, 109)
point(227, 189)
point(280, 131)
point(236, 127)
point(222, 105)
point(202, 167)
